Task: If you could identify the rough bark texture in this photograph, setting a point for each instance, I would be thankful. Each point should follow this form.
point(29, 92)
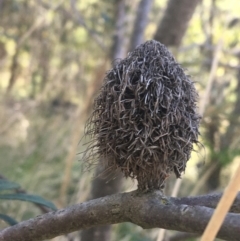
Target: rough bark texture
point(140, 23)
point(149, 210)
point(175, 21)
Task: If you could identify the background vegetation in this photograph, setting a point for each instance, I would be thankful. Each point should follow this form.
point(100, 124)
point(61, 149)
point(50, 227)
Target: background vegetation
point(53, 58)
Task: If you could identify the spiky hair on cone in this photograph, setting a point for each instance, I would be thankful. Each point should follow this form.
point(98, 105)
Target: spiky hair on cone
point(145, 118)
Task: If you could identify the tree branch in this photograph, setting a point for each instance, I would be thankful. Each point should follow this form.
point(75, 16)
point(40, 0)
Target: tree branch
point(210, 201)
point(149, 210)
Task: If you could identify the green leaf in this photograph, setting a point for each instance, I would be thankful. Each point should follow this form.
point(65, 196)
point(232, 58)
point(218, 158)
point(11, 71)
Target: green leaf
point(29, 198)
point(6, 185)
point(8, 219)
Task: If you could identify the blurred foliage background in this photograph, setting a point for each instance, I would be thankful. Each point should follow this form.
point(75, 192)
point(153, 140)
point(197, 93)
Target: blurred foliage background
point(53, 58)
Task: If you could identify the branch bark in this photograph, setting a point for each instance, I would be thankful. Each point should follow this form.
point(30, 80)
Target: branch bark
point(210, 201)
point(149, 210)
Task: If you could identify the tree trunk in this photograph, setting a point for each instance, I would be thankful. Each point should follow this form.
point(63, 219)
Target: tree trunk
point(140, 23)
point(118, 50)
point(174, 23)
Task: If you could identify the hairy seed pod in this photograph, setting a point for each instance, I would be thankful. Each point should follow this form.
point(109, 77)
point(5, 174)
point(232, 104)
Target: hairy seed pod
point(144, 120)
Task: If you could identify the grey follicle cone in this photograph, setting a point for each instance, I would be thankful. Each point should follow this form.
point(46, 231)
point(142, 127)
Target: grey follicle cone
point(145, 118)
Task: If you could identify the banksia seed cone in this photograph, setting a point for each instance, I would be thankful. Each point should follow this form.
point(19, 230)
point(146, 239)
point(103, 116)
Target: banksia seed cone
point(144, 120)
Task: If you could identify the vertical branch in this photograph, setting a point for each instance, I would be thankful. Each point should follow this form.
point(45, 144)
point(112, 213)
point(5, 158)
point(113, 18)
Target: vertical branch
point(175, 21)
point(13, 69)
point(118, 50)
point(140, 24)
